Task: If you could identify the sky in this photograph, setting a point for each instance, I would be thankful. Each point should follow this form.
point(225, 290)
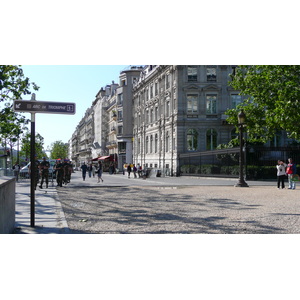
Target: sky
point(78, 84)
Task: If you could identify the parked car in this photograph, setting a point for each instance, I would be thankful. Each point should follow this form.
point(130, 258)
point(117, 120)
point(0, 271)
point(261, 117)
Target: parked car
point(24, 172)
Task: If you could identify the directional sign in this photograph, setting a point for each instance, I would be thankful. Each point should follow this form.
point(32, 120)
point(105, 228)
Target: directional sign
point(44, 107)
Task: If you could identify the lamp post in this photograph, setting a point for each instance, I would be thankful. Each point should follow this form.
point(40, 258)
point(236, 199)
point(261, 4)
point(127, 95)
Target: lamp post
point(242, 122)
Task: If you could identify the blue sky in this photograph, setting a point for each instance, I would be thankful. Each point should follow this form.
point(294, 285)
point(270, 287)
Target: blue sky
point(67, 83)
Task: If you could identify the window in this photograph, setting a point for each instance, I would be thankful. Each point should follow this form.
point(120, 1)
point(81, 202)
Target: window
point(120, 130)
point(167, 108)
point(192, 103)
point(192, 73)
point(120, 115)
point(147, 144)
point(167, 141)
point(211, 74)
point(151, 143)
point(156, 88)
point(156, 143)
point(120, 99)
point(276, 141)
point(192, 139)
point(167, 81)
point(211, 139)
point(156, 113)
point(235, 100)
point(122, 147)
point(234, 134)
point(151, 91)
point(211, 104)
point(139, 146)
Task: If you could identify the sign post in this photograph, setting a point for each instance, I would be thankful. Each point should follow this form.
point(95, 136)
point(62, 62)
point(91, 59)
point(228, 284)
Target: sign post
point(32, 167)
point(34, 107)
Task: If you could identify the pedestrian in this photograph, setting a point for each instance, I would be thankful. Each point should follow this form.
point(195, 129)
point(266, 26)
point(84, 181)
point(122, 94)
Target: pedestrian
point(139, 170)
point(93, 171)
point(59, 170)
point(281, 173)
point(99, 171)
point(84, 168)
point(129, 170)
point(35, 176)
point(134, 171)
point(291, 171)
point(90, 169)
point(44, 169)
point(16, 167)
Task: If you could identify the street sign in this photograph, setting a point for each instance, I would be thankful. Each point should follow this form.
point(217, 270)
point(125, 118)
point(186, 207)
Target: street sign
point(44, 107)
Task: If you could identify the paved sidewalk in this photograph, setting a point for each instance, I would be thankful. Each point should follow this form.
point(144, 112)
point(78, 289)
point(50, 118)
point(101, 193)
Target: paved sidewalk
point(49, 216)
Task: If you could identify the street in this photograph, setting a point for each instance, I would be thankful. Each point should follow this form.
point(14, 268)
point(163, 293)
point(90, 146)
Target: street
point(178, 205)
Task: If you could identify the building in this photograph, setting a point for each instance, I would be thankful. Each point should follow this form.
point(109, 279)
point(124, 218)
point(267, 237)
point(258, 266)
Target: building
point(124, 114)
point(180, 109)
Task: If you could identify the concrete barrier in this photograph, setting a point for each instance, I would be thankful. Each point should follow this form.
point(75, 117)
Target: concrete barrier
point(7, 204)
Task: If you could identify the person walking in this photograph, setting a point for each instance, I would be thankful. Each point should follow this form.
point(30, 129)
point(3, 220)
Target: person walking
point(16, 167)
point(281, 173)
point(99, 171)
point(129, 170)
point(44, 168)
point(37, 173)
point(291, 170)
point(59, 171)
point(90, 169)
point(93, 171)
point(84, 169)
point(134, 171)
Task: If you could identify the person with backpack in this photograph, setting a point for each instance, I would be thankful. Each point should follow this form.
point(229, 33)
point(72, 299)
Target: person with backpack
point(291, 170)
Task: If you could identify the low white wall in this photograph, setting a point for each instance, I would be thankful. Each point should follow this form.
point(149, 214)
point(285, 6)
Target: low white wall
point(7, 204)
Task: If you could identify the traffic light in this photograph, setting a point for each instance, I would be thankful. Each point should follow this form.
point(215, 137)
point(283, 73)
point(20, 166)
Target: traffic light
point(7, 152)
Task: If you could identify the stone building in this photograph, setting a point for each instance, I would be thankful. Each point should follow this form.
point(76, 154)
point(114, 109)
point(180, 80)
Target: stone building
point(124, 117)
point(180, 109)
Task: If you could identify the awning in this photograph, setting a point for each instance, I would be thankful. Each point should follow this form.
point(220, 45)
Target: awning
point(103, 157)
point(100, 158)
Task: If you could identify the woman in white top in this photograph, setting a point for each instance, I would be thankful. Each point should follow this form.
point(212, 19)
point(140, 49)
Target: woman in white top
point(281, 166)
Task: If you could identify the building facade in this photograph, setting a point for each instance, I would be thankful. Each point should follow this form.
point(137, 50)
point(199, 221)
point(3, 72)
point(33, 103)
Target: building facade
point(180, 109)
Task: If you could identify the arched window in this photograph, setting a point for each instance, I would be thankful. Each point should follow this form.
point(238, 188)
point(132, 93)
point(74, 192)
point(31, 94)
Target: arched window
point(156, 143)
point(192, 139)
point(211, 139)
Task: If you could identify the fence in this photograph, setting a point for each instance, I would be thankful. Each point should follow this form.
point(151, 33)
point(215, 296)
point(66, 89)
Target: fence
point(260, 162)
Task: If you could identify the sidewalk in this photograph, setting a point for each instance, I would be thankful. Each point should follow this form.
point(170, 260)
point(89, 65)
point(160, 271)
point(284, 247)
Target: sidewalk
point(49, 216)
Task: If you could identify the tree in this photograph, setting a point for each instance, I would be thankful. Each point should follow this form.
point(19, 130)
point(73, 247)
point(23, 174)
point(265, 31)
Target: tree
point(273, 101)
point(59, 150)
point(13, 84)
point(39, 145)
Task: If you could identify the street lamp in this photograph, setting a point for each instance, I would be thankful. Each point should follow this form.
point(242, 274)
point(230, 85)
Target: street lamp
point(242, 122)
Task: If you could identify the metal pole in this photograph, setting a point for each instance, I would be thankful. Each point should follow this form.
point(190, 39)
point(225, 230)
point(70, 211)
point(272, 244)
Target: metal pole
point(33, 168)
point(241, 182)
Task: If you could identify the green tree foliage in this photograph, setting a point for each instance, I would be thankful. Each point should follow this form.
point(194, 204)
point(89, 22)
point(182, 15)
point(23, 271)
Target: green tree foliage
point(39, 145)
point(59, 150)
point(273, 103)
point(13, 85)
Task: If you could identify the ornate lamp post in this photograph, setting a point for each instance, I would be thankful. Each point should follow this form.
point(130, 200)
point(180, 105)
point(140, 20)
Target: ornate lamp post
point(242, 122)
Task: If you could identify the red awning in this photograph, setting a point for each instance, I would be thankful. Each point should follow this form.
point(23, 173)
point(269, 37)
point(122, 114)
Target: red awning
point(103, 157)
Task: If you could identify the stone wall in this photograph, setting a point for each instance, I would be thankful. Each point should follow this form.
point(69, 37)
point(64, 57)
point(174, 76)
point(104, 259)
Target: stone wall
point(7, 204)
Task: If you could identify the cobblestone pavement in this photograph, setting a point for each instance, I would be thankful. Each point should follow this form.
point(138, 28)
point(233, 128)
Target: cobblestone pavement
point(160, 208)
